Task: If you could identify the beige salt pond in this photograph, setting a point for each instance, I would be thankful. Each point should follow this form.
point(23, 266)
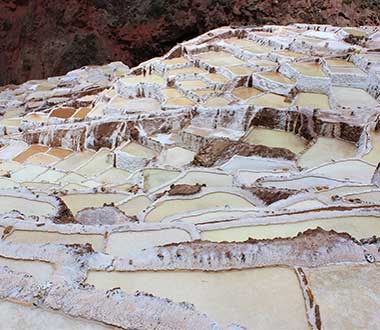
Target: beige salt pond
point(39, 186)
point(50, 176)
point(276, 138)
point(353, 97)
point(289, 54)
point(6, 183)
point(141, 105)
point(217, 78)
point(339, 62)
point(11, 150)
point(172, 207)
point(246, 297)
point(245, 93)
point(125, 243)
point(29, 207)
point(13, 113)
point(269, 100)
point(310, 69)
point(216, 102)
point(138, 150)
point(359, 227)
point(204, 92)
point(71, 178)
point(373, 156)
point(346, 170)
point(151, 78)
point(112, 176)
point(116, 105)
point(344, 190)
point(342, 291)
point(176, 157)
point(313, 101)
point(263, 63)
point(75, 160)
point(43, 237)
point(326, 150)
point(192, 84)
point(74, 187)
point(155, 177)
point(77, 202)
point(124, 187)
point(277, 77)
point(28, 173)
point(210, 179)
point(306, 204)
point(179, 102)
point(249, 45)
point(370, 196)
point(171, 92)
point(36, 117)
point(240, 70)
point(15, 122)
point(346, 70)
point(188, 70)
point(99, 162)
point(16, 317)
point(135, 205)
point(219, 58)
point(174, 61)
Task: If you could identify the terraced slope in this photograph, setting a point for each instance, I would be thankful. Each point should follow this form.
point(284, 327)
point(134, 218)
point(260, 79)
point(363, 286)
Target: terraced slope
point(231, 184)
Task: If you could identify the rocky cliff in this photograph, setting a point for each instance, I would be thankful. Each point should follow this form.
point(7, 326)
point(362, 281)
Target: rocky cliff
point(41, 38)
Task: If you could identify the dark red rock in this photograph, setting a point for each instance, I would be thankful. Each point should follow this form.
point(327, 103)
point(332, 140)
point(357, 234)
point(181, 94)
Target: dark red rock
point(41, 38)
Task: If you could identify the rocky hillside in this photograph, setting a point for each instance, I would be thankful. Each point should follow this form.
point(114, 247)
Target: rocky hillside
point(41, 38)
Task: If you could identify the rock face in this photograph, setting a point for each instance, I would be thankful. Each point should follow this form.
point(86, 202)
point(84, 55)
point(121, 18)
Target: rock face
point(220, 150)
point(42, 38)
point(231, 184)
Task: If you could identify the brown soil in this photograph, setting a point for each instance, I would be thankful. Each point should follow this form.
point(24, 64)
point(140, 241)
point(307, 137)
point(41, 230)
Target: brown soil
point(184, 189)
point(222, 150)
point(271, 195)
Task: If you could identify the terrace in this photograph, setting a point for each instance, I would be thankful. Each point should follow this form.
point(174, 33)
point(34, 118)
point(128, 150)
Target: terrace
point(130, 197)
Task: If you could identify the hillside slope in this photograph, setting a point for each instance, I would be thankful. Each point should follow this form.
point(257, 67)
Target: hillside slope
point(42, 38)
